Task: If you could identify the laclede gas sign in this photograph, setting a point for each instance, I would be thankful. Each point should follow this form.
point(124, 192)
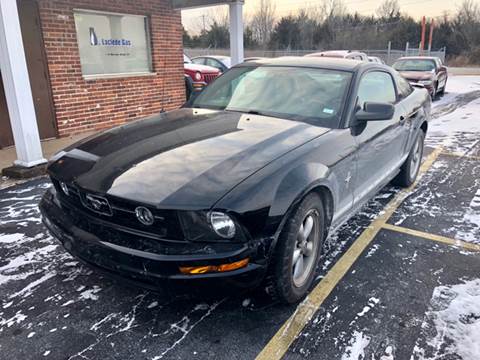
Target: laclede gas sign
point(111, 43)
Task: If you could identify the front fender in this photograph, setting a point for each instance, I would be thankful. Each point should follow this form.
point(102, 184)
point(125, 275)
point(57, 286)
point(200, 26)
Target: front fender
point(296, 184)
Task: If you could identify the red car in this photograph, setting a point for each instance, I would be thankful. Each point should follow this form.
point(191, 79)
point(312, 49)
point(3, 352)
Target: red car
point(197, 76)
point(427, 71)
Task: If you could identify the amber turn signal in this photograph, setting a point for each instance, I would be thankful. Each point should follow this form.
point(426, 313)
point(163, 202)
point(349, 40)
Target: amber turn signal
point(194, 270)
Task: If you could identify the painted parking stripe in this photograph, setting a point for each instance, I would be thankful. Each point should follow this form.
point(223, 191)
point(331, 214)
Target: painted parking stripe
point(281, 341)
point(463, 156)
point(433, 237)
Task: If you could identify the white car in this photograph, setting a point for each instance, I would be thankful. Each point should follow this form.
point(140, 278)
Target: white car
point(341, 54)
point(222, 63)
point(376, 59)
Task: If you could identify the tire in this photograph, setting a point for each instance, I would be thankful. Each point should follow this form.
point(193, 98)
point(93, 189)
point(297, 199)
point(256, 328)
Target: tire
point(435, 93)
point(284, 282)
point(410, 168)
point(442, 92)
point(188, 91)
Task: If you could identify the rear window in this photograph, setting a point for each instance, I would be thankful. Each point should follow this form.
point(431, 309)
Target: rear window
point(414, 65)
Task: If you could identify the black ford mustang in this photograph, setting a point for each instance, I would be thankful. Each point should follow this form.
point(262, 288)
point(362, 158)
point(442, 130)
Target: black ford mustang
point(245, 181)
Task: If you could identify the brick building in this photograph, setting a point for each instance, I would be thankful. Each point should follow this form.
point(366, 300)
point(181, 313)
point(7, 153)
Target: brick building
point(71, 66)
point(80, 101)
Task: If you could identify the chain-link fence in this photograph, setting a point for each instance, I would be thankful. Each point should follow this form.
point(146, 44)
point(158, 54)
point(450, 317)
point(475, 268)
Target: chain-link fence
point(387, 55)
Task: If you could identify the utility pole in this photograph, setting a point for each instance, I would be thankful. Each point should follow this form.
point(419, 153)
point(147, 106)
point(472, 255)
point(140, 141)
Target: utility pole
point(422, 41)
point(430, 41)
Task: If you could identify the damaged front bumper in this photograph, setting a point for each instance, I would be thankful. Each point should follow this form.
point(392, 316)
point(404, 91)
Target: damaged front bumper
point(145, 262)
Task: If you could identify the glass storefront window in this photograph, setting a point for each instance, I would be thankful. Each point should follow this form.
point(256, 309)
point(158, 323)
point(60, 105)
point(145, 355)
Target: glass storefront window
point(111, 43)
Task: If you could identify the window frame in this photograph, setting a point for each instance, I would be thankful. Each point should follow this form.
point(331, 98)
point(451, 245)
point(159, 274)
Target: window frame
point(395, 86)
point(399, 93)
point(148, 39)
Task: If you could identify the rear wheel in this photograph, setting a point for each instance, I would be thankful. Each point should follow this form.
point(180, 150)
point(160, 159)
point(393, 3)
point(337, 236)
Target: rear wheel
point(411, 167)
point(296, 256)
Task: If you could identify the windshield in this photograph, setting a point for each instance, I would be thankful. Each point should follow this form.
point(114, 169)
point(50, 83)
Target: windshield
point(316, 96)
point(186, 59)
point(414, 65)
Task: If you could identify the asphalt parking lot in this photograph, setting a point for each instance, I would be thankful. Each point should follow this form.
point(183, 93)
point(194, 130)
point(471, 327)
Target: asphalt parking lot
point(399, 281)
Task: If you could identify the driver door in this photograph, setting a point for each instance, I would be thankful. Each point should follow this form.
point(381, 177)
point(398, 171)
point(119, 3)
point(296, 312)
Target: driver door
point(381, 144)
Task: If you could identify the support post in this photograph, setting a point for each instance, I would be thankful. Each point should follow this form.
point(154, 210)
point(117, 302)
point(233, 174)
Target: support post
point(389, 53)
point(236, 32)
point(407, 48)
point(17, 88)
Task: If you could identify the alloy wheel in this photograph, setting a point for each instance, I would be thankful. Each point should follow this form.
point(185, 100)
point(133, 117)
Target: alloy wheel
point(304, 253)
point(416, 158)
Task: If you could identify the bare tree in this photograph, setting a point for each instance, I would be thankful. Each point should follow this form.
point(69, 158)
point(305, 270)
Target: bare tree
point(333, 9)
point(388, 9)
point(263, 21)
point(469, 11)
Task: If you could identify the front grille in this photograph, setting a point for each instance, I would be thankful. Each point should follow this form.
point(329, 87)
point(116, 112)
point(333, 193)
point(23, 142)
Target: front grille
point(210, 77)
point(122, 213)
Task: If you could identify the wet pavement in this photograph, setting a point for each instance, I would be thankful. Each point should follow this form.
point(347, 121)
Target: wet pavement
point(391, 304)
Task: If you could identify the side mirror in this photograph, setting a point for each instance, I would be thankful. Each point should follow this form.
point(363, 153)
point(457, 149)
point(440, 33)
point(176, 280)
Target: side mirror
point(373, 111)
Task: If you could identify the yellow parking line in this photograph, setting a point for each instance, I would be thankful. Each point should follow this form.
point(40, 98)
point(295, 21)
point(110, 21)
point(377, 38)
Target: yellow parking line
point(281, 341)
point(460, 155)
point(433, 237)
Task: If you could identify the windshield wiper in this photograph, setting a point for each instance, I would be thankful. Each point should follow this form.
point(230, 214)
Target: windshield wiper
point(251, 112)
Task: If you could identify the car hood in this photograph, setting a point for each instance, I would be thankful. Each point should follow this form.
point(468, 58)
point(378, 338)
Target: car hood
point(188, 158)
point(200, 68)
point(417, 75)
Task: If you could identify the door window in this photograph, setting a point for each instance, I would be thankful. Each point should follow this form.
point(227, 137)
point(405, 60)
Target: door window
point(404, 87)
point(214, 63)
point(199, 61)
point(376, 86)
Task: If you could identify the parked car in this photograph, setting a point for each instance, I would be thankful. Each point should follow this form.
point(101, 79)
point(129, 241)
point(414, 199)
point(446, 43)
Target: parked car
point(254, 58)
point(197, 76)
point(341, 54)
point(244, 183)
point(427, 71)
point(376, 59)
point(222, 63)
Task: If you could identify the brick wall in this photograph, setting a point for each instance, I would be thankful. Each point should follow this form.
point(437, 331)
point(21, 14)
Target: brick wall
point(84, 105)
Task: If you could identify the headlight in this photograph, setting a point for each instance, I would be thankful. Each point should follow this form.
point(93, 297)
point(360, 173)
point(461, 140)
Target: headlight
point(64, 188)
point(426, 82)
point(198, 76)
point(222, 224)
point(211, 226)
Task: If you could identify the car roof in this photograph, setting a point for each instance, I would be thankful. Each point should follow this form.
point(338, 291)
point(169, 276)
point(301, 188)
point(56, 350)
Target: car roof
point(336, 53)
point(418, 58)
point(218, 57)
point(313, 62)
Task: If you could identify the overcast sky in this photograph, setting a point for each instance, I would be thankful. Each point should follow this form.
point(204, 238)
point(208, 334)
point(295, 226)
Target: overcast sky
point(193, 20)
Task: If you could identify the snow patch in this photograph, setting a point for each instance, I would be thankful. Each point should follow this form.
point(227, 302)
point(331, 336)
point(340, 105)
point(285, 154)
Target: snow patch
point(356, 348)
point(90, 294)
point(452, 324)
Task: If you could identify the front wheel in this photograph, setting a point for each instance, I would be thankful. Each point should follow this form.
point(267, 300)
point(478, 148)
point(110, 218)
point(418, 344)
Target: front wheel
point(442, 91)
point(296, 256)
point(411, 167)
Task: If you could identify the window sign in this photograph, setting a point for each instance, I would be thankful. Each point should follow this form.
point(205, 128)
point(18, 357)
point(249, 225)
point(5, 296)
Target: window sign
point(112, 43)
